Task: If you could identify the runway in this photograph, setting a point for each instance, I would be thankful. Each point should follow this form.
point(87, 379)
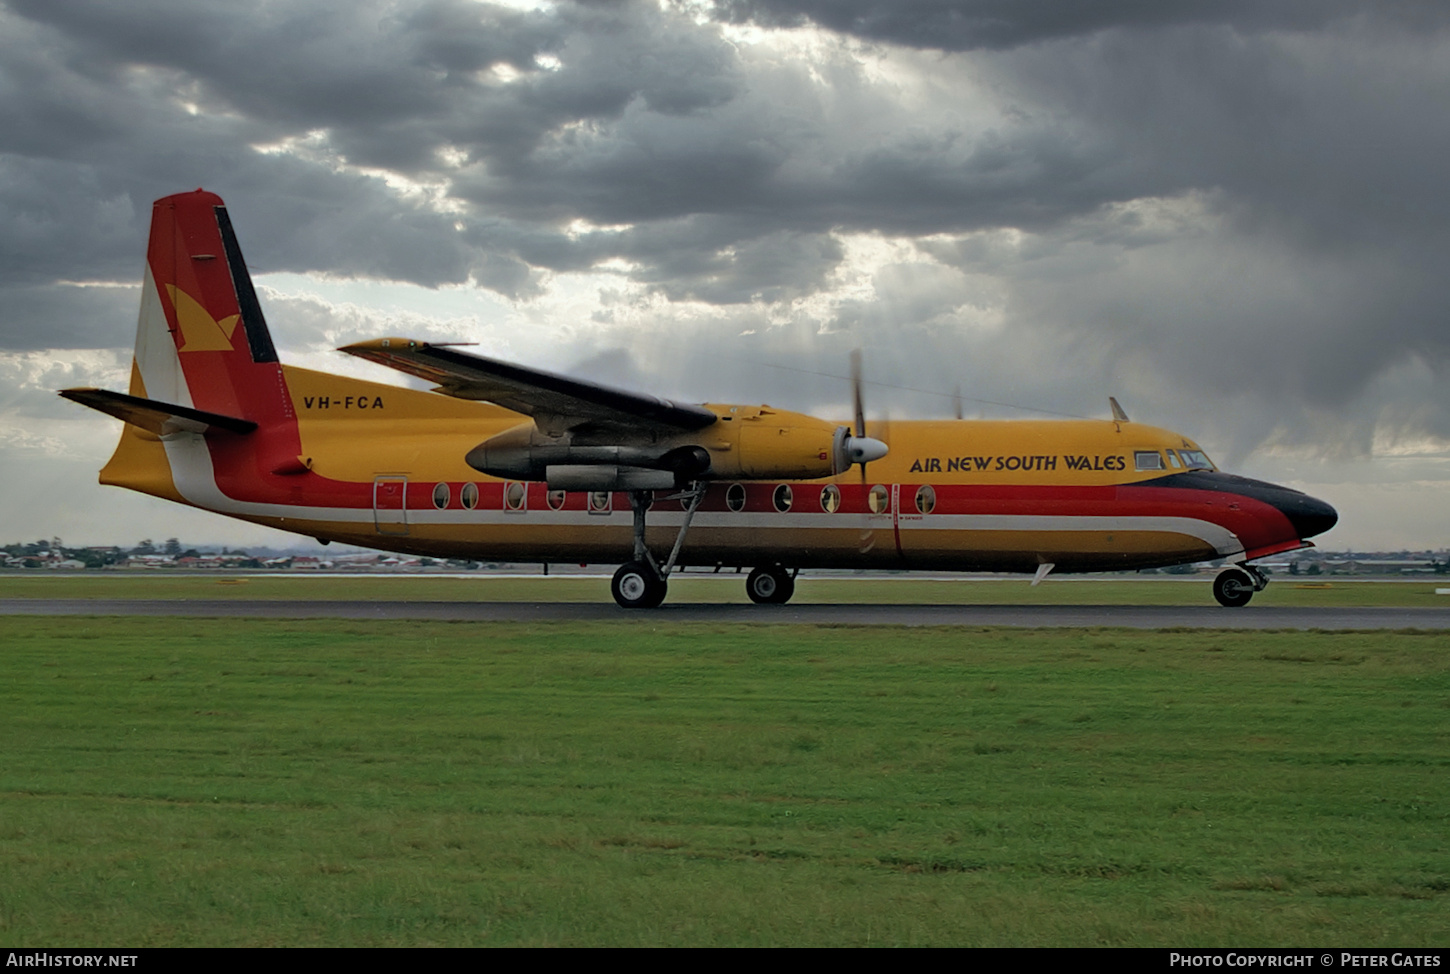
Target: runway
point(1021, 616)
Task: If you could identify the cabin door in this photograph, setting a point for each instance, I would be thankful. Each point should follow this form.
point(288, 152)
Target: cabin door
point(390, 508)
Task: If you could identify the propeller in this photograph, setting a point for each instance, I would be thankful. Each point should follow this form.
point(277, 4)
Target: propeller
point(860, 448)
point(857, 398)
point(853, 445)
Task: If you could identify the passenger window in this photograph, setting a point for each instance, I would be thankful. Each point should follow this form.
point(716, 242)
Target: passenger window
point(556, 500)
point(782, 498)
point(441, 496)
point(879, 500)
point(469, 496)
point(830, 498)
point(735, 497)
point(925, 499)
point(600, 501)
point(514, 496)
point(1148, 460)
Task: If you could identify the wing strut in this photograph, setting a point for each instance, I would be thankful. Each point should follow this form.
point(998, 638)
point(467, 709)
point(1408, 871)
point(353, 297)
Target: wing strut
point(692, 499)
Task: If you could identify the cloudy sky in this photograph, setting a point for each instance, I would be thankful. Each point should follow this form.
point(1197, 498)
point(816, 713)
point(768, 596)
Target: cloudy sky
point(1233, 216)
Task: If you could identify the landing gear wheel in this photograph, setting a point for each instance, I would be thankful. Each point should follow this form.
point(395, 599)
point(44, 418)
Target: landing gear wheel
point(1233, 588)
point(636, 586)
point(770, 586)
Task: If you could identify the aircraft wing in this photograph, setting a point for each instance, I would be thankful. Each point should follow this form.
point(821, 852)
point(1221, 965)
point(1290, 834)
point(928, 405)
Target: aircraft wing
point(161, 418)
point(554, 401)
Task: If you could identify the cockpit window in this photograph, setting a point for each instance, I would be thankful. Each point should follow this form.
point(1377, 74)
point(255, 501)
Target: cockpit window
point(1195, 460)
point(1173, 460)
point(1148, 460)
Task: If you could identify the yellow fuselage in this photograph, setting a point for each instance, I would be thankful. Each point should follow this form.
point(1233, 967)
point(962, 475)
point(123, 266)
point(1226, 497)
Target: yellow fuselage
point(384, 467)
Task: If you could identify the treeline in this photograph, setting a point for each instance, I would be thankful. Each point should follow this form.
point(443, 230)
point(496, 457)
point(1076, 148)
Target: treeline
point(51, 551)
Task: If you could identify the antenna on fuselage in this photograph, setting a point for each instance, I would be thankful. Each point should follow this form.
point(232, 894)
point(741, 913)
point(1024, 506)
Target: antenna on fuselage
point(1118, 415)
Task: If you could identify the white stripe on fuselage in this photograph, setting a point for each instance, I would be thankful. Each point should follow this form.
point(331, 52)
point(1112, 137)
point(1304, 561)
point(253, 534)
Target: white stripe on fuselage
point(195, 479)
point(1224, 541)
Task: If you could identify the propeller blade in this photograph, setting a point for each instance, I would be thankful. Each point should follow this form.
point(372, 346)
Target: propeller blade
point(957, 401)
point(856, 397)
point(859, 402)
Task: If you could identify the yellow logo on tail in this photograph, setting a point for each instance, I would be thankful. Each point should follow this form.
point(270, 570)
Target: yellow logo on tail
point(200, 332)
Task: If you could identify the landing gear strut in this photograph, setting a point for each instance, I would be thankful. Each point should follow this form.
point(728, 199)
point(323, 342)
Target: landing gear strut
point(770, 586)
point(643, 582)
point(1235, 586)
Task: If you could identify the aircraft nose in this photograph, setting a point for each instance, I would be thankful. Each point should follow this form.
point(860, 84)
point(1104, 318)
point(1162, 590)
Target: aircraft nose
point(1309, 515)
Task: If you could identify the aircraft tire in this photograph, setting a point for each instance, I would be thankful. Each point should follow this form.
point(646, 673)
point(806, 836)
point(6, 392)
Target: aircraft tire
point(1233, 588)
point(636, 586)
point(770, 586)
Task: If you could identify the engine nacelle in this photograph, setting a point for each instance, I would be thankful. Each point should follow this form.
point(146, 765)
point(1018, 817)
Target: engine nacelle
point(745, 443)
point(607, 477)
point(760, 443)
point(526, 453)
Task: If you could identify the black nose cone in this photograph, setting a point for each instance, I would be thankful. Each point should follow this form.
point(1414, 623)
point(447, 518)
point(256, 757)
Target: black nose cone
point(1309, 515)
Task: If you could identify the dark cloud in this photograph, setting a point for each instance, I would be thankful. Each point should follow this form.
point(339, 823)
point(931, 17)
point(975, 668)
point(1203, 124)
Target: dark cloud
point(967, 25)
point(1196, 199)
point(775, 267)
point(62, 221)
point(1317, 265)
point(103, 104)
point(64, 316)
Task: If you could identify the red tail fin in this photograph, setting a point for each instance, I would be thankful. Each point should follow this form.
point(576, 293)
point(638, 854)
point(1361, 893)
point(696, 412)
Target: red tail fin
point(200, 285)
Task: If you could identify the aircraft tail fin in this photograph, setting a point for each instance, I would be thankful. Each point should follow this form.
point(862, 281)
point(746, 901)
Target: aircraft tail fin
point(201, 341)
point(205, 363)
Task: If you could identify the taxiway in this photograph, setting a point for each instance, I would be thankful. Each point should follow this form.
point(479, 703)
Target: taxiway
point(1023, 616)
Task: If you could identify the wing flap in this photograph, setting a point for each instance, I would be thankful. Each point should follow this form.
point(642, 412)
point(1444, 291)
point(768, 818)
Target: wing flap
point(554, 401)
point(160, 418)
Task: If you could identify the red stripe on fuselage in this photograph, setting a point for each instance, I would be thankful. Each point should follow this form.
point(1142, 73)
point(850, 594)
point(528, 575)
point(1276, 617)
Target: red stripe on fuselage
point(1257, 524)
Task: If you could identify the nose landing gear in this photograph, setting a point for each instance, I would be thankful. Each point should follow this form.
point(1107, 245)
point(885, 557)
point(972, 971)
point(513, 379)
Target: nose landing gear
point(1235, 586)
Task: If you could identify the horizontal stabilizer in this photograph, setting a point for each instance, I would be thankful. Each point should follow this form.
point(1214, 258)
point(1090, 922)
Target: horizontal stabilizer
point(160, 418)
point(552, 400)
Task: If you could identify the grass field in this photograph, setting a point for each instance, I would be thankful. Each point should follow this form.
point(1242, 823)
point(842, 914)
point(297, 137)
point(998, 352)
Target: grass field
point(903, 589)
point(206, 782)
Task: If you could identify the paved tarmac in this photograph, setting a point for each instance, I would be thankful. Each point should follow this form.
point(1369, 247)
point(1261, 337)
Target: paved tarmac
point(1034, 616)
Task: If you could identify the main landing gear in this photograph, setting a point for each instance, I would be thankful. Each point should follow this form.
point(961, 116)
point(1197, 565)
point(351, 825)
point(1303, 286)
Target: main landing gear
point(770, 586)
point(1235, 586)
point(637, 585)
point(643, 582)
